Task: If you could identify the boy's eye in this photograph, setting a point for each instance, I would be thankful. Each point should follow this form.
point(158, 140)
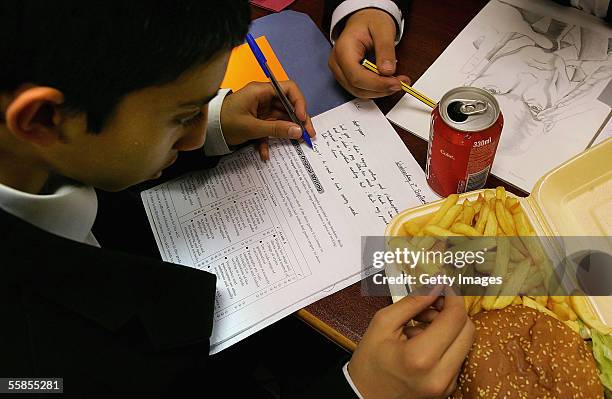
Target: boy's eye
point(191, 120)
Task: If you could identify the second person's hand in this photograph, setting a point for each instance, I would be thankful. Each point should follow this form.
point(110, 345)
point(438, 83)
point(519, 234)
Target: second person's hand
point(367, 30)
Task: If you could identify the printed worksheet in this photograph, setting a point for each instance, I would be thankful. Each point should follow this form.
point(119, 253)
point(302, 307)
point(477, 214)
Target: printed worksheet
point(282, 234)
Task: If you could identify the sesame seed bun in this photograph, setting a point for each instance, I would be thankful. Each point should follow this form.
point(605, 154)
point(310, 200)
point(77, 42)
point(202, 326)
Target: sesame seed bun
point(519, 352)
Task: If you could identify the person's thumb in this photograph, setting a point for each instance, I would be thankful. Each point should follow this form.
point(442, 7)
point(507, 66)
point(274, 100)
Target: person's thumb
point(383, 35)
point(398, 314)
point(277, 128)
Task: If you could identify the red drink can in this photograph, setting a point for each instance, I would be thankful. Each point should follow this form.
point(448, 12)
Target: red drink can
point(465, 129)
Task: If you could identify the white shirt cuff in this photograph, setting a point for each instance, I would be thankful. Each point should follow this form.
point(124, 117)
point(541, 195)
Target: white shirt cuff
point(215, 142)
point(350, 381)
point(347, 7)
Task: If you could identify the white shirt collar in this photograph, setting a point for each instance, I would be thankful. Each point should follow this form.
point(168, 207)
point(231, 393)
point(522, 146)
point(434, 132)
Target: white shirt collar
point(69, 212)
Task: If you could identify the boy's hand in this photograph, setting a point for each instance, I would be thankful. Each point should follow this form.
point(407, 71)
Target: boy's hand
point(366, 30)
point(255, 112)
point(396, 361)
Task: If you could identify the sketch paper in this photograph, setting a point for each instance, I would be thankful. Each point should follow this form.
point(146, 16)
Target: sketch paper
point(546, 65)
point(282, 234)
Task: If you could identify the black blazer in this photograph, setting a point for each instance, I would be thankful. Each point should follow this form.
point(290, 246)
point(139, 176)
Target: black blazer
point(109, 323)
point(330, 6)
point(106, 322)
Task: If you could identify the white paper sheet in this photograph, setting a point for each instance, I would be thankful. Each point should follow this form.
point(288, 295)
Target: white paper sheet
point(546, 64)
point(282, 234)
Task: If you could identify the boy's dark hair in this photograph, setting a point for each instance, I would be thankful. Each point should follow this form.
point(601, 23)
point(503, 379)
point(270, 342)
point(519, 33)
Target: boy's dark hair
point(96, 52)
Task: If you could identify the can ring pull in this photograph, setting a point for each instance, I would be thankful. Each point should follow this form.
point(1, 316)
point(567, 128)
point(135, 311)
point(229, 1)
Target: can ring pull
point(472, 107)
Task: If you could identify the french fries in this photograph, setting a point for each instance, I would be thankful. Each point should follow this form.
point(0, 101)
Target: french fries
point(448, 219)
point(542, 300)
point(482, 218)
point(505, 222)
point(583, 309)
point(434, 230)
point(468, 301)
point(515, 281)
point(534, 279)
point(515, 254)
point(476, 307)
point(496, 223)
point(491, 225)
point(564, 312)
point(511, 202)
point(411, 229)
point(466, 230)
point(450, 201)
point(468, 215)
point(485, 267)
point(500, 194)
point(530, 303)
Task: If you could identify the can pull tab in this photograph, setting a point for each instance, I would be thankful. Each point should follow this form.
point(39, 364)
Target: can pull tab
point(472, 107)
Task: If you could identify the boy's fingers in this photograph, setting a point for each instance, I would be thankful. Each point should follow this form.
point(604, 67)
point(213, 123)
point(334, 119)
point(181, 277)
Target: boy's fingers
point(404, 79)
point(337, 71)
point(452, 386)
point(295, 96)
point(413, 331)
point(427, 316)
point(283, 128)
point(395, 316)
point(349, 60)
point(341, 78)
point(281, 114)
point(445, 328)
point(298, 101)
point(278, 128)
point(265, 94)
point(439, 304)
point(364, 79)
point(383, 35)
point(309, 127)
point(264, 148)
point(455, 355)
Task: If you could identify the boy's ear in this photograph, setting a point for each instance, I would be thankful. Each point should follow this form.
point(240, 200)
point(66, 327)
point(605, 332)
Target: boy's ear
point(33, 115)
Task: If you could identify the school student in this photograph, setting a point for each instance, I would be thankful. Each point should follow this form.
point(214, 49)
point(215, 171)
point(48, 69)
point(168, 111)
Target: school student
point(107, 95)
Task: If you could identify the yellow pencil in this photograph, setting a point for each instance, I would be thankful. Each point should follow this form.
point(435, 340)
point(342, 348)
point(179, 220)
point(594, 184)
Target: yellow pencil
point(408, 89)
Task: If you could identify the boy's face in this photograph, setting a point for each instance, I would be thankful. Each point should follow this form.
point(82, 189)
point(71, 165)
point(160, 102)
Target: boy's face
point(143, 136)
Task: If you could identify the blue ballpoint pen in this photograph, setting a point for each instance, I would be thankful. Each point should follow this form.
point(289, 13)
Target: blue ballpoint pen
point(263, 63)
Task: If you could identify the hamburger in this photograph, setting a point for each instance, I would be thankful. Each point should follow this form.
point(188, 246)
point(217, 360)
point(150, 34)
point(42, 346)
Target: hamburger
point(519, 352)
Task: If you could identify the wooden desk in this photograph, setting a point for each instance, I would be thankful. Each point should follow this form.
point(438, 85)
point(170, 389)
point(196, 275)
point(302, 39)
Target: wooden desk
point(428, 30)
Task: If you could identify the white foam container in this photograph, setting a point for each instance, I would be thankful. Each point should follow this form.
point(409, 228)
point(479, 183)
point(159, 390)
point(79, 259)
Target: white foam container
point(573, 200)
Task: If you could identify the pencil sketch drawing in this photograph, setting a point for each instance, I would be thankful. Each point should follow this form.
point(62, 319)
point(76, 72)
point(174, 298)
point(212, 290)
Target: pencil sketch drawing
point(548, 66)
point(541, 71)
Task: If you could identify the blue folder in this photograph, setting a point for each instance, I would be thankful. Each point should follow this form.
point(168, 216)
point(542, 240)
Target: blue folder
point(303, 51)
